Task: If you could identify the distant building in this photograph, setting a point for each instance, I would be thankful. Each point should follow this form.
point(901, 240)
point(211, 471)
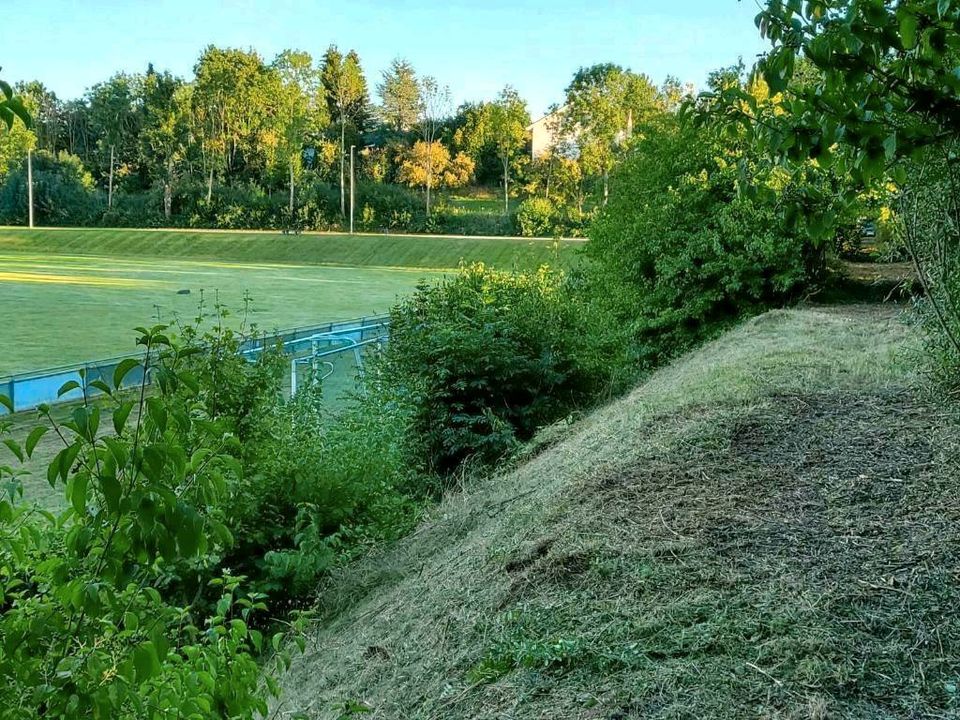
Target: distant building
point(545, 134)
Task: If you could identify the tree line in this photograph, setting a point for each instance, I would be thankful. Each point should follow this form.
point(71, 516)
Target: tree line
point(153, 148)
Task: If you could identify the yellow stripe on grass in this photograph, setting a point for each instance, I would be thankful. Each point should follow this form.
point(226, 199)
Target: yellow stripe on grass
point(87, 280)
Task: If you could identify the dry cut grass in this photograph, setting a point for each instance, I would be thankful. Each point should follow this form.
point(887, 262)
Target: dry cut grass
point(769, 527)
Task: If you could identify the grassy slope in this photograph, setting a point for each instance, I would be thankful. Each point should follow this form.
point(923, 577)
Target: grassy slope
point(768, 527)
point(272, 247)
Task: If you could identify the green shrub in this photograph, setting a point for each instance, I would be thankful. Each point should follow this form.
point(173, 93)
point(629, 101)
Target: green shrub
point(316, 487)
point(681, 252)
point(485, 359)
point(536, 217)
point(85, 629)
point(63, 192)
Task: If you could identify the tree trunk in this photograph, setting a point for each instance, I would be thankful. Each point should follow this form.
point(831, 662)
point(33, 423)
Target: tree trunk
point(210, 186)
point(606, 187)
point(428, 193)
point(291, 190)
point(343, 140)
point(168, 192)
point(506, 187)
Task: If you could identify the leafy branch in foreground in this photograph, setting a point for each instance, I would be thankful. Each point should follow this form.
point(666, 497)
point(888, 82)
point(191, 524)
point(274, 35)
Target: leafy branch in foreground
point(85, 630)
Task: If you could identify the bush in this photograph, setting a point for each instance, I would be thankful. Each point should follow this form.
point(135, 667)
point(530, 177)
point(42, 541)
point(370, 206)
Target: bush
point(485, 359)
point(315, 489)
point(63, 192)
point(682, 252)
point(536, 217)
point(85, 629)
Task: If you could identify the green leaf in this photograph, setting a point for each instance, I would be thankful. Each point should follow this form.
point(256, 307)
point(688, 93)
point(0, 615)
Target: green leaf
point(78, 492)
point(33, 438)
point(14, 448)
point(942, 7)
point(131, 621)
point(908, 30)
point(122, 370)
point(67, 387)
point(157, 413)
point(6, 402)
point(145, 661)
point(120, 416)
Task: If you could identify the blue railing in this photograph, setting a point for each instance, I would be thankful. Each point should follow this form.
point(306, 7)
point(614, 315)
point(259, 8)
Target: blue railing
point(310, 344)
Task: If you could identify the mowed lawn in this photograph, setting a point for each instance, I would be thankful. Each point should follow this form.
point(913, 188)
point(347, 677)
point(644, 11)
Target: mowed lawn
point(69, 296)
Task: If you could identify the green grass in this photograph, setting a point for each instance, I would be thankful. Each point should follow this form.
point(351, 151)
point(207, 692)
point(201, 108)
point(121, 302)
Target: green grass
point(403, 251)
point(766, 528)
point(72, 295)
point(63, 309)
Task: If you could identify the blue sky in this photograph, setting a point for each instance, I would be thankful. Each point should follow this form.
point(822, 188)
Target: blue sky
point(475, 46)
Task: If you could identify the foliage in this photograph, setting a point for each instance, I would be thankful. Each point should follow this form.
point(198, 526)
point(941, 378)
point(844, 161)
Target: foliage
point(85, 630)
point(399, 96)
point(429, 165)
point(485, 359)
point(536, 217)
point(881, 104)
point(12, 107)
point(63, 192)
point(603, 105)
point(497, 129)
point(681, 252)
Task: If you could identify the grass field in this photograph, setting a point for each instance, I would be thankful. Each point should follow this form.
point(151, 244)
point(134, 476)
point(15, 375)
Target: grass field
point(69, 295)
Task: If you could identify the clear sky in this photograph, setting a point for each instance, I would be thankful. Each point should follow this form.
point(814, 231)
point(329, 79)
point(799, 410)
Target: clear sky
point(475, 46)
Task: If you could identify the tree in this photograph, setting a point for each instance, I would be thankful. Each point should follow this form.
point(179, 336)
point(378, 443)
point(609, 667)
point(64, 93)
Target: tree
point(881, 103)
point(399, 96)
point(63, 192)
point(509, 120)
point(495, 133)
point(603, 105)
point(165, 137)
point(231, 104)
point(301, 112)
point(434, 108)
point(346, 91)
point(46, 110)
point(429, 165)
point(116, 119)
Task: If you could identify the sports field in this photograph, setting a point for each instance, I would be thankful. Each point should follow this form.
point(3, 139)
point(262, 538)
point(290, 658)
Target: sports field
point(69, 296)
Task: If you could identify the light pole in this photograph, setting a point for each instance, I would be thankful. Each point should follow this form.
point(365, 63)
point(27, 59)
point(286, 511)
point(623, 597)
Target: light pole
point(30, 187)
point(352, 194)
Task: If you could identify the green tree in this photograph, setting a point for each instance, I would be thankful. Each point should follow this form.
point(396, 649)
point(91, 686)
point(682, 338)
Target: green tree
point(116, 120)
point(302, 113)
point(399, 93)
point(347, 96)
point(603, 105)
point(165, 136)
point(46, 110)
point(231, 105)
point(881, 103)
point(63, 192)
point(508, 124)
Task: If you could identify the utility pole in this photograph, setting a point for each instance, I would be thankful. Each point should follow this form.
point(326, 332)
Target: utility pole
point(110, 185)
point(352, 180)
point(30, 186)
